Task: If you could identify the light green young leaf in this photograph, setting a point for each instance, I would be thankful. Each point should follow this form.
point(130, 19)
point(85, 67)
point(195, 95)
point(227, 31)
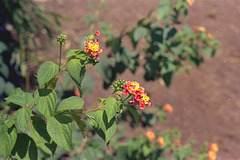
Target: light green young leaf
point(112, 106)
point(81, 124)
point(60, 129)
point(46, 101)
point(139, 32)
point(98, 115)
point(8, 137)
point(41, 137)
point(23, 116)
point(76, 70)
point(72, 52)
point(134, 112)
point(71, 103)
point(17, 97)
point(25, 148)
point(46, 72)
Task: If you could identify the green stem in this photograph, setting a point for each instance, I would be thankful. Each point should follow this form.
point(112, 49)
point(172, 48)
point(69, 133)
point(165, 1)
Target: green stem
point(127, 98)
point(60, 56)
point(32, 105)
point(65, 63)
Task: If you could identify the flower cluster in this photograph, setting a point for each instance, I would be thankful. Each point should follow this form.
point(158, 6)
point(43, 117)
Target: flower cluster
point(139, 97)
point(190, 2)
point(212, 153)
point(92, 48)
point(168, 108)
point(151, 136)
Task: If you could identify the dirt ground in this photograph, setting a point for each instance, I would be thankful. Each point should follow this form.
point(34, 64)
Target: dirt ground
point(206, 102)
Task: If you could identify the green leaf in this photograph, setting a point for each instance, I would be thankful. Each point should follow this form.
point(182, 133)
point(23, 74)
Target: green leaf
point(17, 97)
point(60, 129)
point(8, 137)
point(146, 150)
point(72, 52)
point(81, 124)
point(134, 112)
point(41, 137)
point(46, 72)
point(110, 129)
point(46, 101)
point(139, 33)
point(3, 47)
point(164, 9)
point(112, 106)
point(76, 70)
point(52, 83)
point(25, 148)
point(71, 103)
point(2, 83)
point(23, 116)
point(11, 121)
point(98, 115)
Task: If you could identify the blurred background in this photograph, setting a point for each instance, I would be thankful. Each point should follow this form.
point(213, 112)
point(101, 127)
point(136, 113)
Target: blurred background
point(206, 102)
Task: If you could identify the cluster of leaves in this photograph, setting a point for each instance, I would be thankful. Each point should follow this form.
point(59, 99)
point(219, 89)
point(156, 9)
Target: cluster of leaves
point(172, 45)
point(40, 122)
point(21, 21)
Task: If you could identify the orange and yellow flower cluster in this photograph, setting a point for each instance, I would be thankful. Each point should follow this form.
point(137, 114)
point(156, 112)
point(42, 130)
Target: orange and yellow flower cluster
point(92, 46)
point(151, 136)
point(212, 153)
point(139, 97)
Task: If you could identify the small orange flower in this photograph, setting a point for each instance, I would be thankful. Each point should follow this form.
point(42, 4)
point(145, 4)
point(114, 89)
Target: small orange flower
point(190, 2)
point(201, 29)
point(213, 147)
point(151, 136)
point(160, 141)
point(212, 155)
point(168, 108)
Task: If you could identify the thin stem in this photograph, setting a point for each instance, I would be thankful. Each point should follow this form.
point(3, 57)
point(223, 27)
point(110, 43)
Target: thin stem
point(126, 98)
point(32, 105)
point(65, 63)
point(60, 56)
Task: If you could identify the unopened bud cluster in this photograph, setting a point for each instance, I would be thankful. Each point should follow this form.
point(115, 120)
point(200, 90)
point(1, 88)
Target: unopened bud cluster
point(119, 85)
point(62, 38)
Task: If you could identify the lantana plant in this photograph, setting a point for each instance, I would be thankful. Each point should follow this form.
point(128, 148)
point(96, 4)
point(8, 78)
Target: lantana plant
point(40, 122)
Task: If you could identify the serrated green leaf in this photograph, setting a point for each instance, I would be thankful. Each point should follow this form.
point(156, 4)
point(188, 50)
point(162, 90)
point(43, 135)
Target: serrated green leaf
point(23, 116)
point(81, 124)
point(25, 148)
point(112, 106)
point(72, 52)
point(135, 114)
point(60, 129)
point(46, 72)
point(139, 33)
point(76, 70)
point(8, 137)
point(98, 115)
point(71, 103)
point(46, 101)
point(110, 128)
point(17, 97)
point(41, 137)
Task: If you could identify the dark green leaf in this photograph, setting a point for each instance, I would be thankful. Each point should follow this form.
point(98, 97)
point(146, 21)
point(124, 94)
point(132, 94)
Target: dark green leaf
point(60, 129)
point(52, 83)
point(25, 148)
point(46, 101)
point(41, 137)
point(71, 103)
point(23, 116)
point(81, 124)
point(8, 137)
point(46, 72)
point(134, 112)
